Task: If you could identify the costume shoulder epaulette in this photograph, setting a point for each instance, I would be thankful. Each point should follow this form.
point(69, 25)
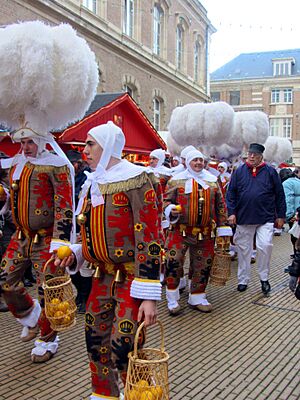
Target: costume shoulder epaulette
point(123, 186)
point(153, 179)
point(175, 182)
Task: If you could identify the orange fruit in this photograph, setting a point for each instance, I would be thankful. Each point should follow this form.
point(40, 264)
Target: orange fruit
point(59, 316)
point(178, 208)
point(157, 392)
point(147, 395)
point(133, 395)
point(55, 301)
point(63, 306)
point(63, 252)
point(67, 320)
point(142, 384)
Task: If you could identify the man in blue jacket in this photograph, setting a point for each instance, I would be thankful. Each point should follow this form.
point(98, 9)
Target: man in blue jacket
point(256, 203)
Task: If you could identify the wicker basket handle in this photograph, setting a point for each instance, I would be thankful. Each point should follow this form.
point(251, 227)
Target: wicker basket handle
point(47, 263)
point(136, 339)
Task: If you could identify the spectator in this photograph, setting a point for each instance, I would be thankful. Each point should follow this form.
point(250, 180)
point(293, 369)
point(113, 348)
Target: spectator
point(255, 200)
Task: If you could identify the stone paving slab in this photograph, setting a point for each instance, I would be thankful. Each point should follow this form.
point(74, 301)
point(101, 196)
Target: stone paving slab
point(248, 348)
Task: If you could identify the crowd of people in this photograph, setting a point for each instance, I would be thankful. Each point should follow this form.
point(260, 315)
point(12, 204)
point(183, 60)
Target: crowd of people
point(134, 226)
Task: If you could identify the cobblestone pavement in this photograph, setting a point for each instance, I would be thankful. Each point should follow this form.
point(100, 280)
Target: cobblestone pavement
point(247, 348)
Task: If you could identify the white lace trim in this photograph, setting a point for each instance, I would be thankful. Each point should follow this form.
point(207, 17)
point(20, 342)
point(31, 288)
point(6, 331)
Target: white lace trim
point(31, 320)
point(145, 290)
point(42, 347)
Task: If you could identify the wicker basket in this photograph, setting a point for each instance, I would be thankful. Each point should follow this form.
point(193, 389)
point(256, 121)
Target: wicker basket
point(220, 270)
point(60, 306)
point(147, 375)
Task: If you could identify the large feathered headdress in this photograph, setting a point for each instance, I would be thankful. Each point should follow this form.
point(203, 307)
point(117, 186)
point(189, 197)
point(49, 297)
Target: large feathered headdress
point(48, 78)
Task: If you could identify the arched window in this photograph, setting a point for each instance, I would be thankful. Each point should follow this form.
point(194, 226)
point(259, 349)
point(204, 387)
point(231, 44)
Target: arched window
point(156, 113)
point(179, 46)
point(157, 29)
point(128, 17)
point(128, 89)
point(131, 86)
point(197, 55)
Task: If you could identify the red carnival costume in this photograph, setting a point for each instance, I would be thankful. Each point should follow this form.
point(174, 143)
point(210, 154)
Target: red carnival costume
point(202, 210)
point(120, 223)
point(41, 203)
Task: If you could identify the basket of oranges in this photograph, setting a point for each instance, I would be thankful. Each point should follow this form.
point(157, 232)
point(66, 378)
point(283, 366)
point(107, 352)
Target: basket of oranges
point(147, 374)
point(60, 306)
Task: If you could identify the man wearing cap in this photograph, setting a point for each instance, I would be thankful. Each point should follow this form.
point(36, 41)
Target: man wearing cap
point(120, 225)
point(195, 207)
point(256, 202)
point(42, 210)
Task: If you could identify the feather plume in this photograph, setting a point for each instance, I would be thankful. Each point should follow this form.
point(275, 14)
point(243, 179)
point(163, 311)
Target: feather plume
point(249, 127)
point(48, 76)
point(202, 124)
point(277, 150)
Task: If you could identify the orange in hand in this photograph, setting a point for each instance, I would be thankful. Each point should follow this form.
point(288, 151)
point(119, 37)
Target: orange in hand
point(63, 252)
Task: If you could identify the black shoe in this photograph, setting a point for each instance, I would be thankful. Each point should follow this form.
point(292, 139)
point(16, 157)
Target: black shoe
point(287, 269)
point(241, 287)
point(81, 309)
point(265, 287)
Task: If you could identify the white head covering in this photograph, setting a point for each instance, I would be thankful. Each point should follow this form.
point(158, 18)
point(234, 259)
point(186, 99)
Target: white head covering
point(224, 176)
point(224, 165)
point(111, 139)
point(186, 150)
point(199, 177)
point(177, 159)
point(160, 154)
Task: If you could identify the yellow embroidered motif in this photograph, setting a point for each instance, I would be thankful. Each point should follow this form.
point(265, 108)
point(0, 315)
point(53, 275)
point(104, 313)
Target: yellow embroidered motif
point(138, 227)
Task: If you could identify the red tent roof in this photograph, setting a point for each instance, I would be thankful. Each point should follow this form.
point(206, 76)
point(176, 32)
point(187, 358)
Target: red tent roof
point(141, 137)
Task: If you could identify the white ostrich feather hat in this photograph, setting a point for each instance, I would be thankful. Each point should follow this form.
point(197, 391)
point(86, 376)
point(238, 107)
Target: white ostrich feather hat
point(48, 78)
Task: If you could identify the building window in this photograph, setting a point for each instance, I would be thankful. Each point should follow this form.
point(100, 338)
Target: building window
point(179, 47)
point(90, 4)
point(215, 96)
point(234, 98)
point(157, 29)
point(275, 96)
point(128, 90)
point(281, 96)
point(197, 53)
point(287, 128)
point(281, 127)
point(283, 67)
point(128, 17)
point(156, 113)
point(274, 127)
point(287, 95)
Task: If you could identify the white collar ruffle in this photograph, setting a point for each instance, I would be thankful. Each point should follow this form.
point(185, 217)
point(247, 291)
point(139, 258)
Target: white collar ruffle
point(201, 178)
point(120, 172)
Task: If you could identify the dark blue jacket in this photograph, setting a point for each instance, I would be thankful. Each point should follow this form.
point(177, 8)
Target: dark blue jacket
point(255, 200)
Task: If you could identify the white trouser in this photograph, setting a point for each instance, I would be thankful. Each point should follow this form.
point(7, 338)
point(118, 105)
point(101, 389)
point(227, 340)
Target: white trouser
point(243, 239)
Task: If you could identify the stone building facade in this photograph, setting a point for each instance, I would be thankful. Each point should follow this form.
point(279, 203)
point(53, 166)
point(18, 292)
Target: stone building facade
point(157, 50)
point(265, 81)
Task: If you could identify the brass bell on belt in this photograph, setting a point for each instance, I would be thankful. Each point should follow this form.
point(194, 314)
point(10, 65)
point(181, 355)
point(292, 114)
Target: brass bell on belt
point(36, 238)
point(119, 276)
point(97, 273)
point(15, 186)
point(200, 236)
point(81, 219)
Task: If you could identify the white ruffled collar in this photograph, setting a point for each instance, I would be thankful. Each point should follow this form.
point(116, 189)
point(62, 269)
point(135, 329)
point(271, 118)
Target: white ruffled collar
point(117, 173)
